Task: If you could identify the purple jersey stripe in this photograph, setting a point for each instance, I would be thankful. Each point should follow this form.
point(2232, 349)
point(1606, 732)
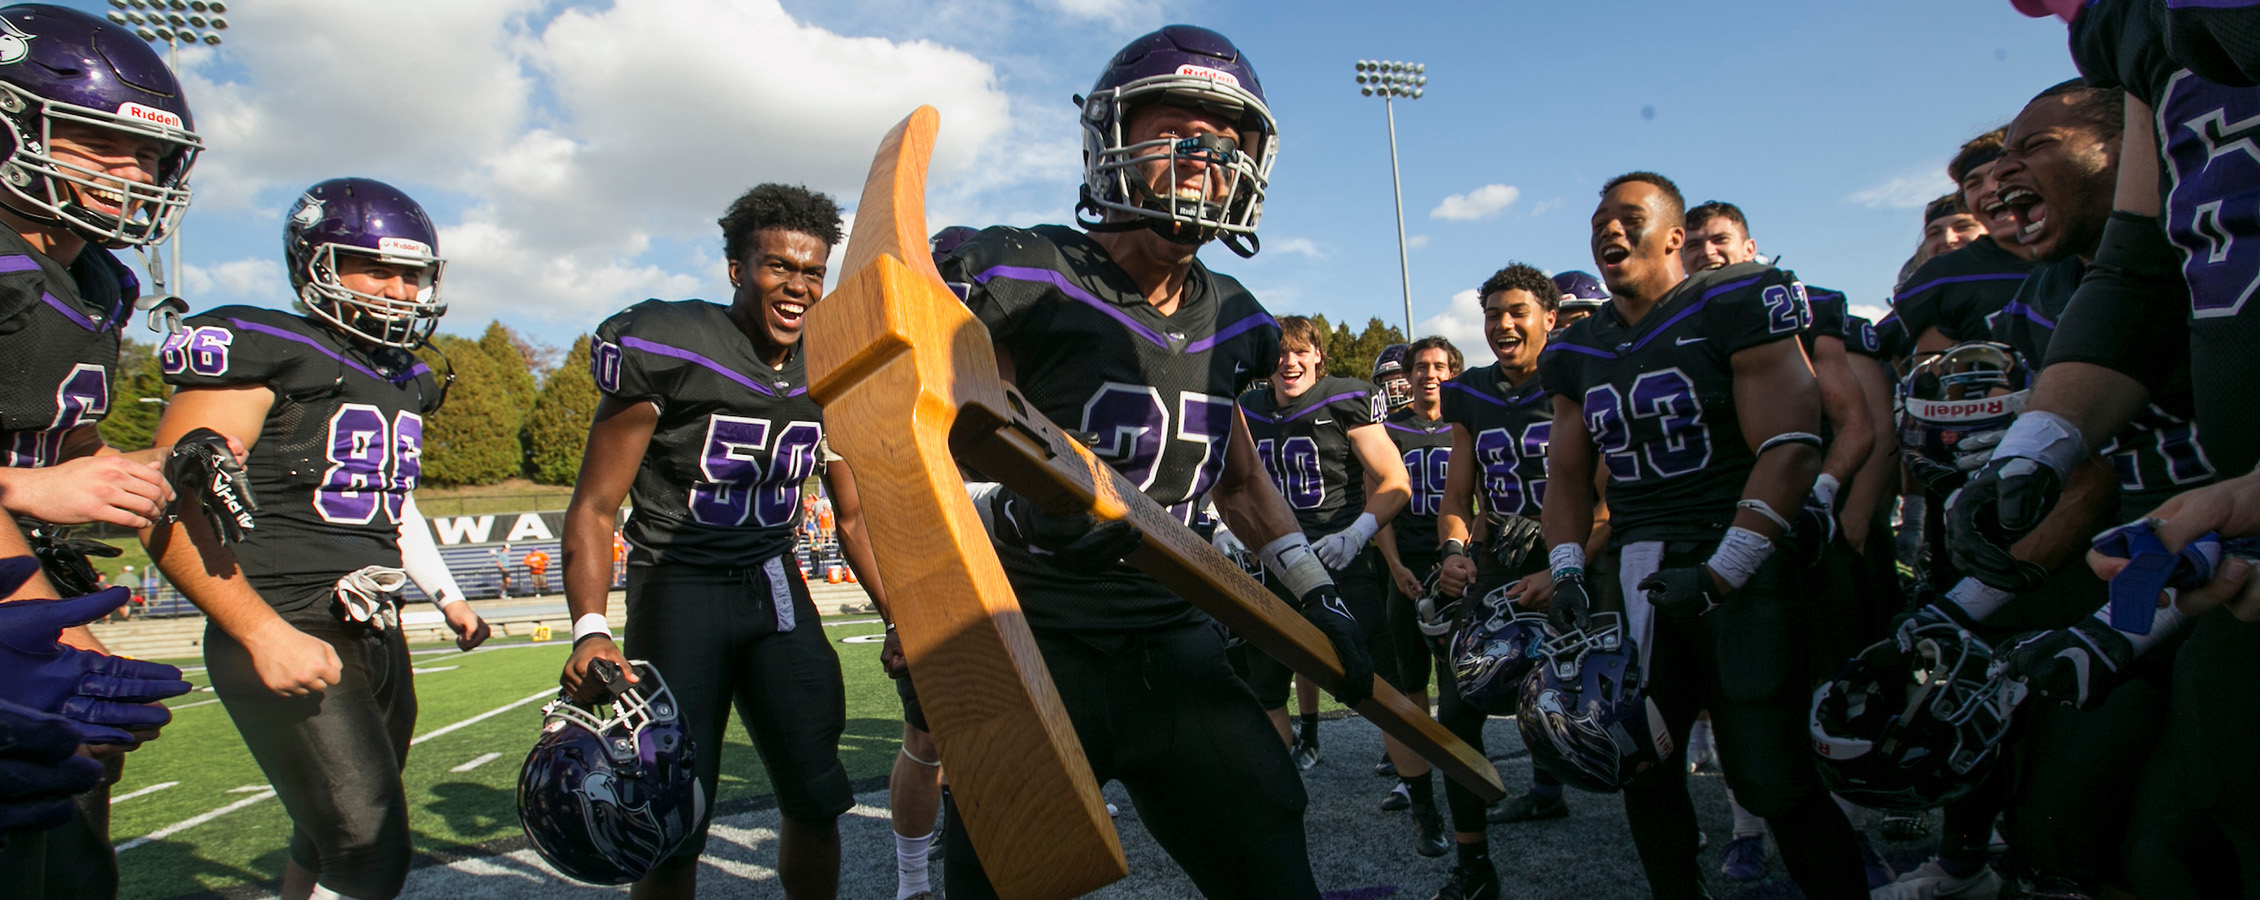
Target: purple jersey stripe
point(679, 353)
point(1322, 404)
point(1579, 348)
point(419, 369)
point(1231, 331)
point(1691, 309)
point(1956, 279)
point(2211, 4)
point(18, 264)
point(1055, 279)
point(76, 317)
point(2018, 308)
point(1411, 430)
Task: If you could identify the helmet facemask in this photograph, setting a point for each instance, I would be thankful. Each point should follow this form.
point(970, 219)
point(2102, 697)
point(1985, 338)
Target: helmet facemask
point(44, 187)
point(1229, 198)
point(405, 324)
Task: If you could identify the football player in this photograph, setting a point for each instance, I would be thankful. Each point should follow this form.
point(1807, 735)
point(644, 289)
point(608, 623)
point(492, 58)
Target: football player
point(304, 644)
point(1952, 297)
point(1322, 440)
point(1498, 418)
point(1693, 395)
point(1390, 375)
point(101, 141)
point(707, 425)
point(1582, 295)
point(1407, 544)
point(1947, 226)
point(1118, 330)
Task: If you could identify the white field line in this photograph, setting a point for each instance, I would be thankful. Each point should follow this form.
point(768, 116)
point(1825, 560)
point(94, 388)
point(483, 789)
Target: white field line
point(477, 761)
point(193, 705)
point(186, 824)
point(154, 788)
point(265, 792)
point(489, 714)
point(428, 671)
point(249, 788)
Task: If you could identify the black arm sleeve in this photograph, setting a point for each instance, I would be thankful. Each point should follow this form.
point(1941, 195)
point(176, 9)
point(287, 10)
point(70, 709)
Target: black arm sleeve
point(2131, 312)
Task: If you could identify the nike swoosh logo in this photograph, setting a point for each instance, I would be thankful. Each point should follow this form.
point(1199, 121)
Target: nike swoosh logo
point(1322, 422)
point(2079, 667)
point(1687, 340)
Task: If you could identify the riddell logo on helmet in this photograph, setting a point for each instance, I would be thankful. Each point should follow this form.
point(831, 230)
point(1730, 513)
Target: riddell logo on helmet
point(132, 110)
point(1966, 410)
point(402, 245)
point(1217, 75)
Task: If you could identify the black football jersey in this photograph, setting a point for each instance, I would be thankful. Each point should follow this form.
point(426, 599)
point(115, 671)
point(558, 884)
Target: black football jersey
point(341, 450)
point(1958, 293)
point(1658, 396)
point(2210, 171)
point(1426, 445)
point(1094, 356)
point(2156, 456)
point(1860, 337)
point(1511, 427)
point(1829, 310)
point(719, 485)
point(1305, 446)
point(59, 328)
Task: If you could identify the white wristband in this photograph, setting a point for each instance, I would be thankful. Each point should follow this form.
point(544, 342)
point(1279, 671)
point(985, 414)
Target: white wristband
point(593, 623)
point(1978, 598)
point(2044, 436)
point(1290, 560)
point(1565, 555)
point(1739, 555)
point(1824, 489)
point(2163, 624)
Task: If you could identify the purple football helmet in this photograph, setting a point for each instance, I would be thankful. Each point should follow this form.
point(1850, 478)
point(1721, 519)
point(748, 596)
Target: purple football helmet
point(375, 220)
point(63, 71)
point(1580, 291)
point(604, 799)
point(1180, 65)
point(1494, 653)
point(1913, 721)
point(1584, 713)
point(1390, 376)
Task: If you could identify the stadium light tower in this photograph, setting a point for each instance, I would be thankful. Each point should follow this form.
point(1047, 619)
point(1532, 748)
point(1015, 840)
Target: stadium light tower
point(1391, 79)
point(172, 23)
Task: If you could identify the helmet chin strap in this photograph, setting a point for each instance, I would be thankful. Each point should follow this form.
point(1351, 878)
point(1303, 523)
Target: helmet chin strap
point(166, 310)
point(1169, 229)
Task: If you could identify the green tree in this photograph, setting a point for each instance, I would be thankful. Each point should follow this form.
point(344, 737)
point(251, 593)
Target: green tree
point(519, 386)
point(557, 431)
point(1351, 355)
point(132, 424)
point(474, 439)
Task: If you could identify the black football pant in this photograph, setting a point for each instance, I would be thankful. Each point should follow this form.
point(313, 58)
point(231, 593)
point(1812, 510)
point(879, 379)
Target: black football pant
point(72, 861)
point(334, 757)
point(717, 638)
point(1408, 645)
point(1163, 712)
point(1745, 662)
point(2202, 835)
point(2077, 774)
point(1364, 591)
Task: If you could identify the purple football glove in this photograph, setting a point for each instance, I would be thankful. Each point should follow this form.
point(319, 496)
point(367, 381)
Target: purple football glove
point(40, 769)
point(106, 695)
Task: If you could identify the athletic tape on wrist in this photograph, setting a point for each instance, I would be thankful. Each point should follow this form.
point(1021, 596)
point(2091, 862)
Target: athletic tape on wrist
point(1765, 509)
point(1739, 555)
point(2163, 624)
point(593, 623)
point(1290, 560)
point(2046, 437)
point(1790, 437)
point(1366, 527)
point(1978, 598)
point(1824, 489)
point(1565, 555)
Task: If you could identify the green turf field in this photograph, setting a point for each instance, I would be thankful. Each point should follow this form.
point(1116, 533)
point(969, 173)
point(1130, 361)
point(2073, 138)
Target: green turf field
point(201, 754)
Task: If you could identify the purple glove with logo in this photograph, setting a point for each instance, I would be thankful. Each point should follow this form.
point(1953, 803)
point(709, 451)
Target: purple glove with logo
point(105, 696)
point(40, 769)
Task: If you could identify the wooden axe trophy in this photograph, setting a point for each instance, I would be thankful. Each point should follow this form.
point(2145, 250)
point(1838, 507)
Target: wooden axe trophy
point(910, 388)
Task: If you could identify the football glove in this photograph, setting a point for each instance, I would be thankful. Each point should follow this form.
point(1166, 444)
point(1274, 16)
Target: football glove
point(66, 559)
point(1340, 549)
point(2003, 503)
point(106, 695)
point(2077, 666)
point(40, 769)
point(1077, 543)
point(1814, 528)
point(1682, 594)
point(201, 466)
point(1572, 604)
point(1324, 608)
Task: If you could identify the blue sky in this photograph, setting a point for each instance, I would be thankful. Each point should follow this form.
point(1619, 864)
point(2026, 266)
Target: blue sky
point(577, 153)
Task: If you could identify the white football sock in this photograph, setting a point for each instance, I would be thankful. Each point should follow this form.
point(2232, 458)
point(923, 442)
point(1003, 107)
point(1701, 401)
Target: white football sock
point(910, 865)
point(1745, 824)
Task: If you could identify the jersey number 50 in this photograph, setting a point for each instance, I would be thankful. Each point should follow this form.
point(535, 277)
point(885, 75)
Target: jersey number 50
point(737, 490)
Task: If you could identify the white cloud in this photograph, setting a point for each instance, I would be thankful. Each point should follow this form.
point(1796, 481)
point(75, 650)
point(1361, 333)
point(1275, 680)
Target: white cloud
point(1415, 242)
point(1481, 203)
point(578, 143)
point(1910, 191)
point(1298, 246)
point(1543, 207)
point(1872, 313)
point(1461, 322)
point(261, 278)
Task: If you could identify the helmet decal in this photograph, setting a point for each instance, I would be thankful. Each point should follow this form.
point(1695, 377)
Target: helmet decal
point(15, 45)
